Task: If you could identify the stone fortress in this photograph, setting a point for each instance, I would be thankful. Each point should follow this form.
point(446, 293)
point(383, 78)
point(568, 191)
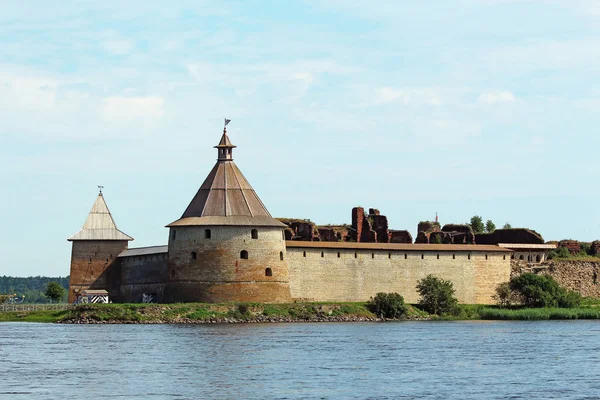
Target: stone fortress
point(226, 247)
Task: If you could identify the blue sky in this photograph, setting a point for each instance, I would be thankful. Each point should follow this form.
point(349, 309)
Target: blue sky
point(487, 107)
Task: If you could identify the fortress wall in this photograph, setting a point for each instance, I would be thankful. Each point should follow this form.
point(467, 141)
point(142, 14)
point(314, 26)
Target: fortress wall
point(219, 273)
point(357, 275)
point(93, 265)
point(145, 274)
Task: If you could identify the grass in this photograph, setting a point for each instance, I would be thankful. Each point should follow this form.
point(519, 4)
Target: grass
point(202, 312)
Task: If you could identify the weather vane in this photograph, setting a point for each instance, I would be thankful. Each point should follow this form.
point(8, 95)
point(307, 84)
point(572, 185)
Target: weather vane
point(100, 187)
point(227, 121)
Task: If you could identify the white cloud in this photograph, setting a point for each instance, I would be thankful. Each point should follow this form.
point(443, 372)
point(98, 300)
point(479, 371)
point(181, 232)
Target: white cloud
point(117, 108)
point(496, 97)
point(388, 94)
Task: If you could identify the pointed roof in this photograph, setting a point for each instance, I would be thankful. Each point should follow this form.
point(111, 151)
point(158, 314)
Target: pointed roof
point(225, 142)
point(99, 224)
point(226, 197)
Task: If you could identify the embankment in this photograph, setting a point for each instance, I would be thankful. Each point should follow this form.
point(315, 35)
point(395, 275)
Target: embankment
point(579, 275)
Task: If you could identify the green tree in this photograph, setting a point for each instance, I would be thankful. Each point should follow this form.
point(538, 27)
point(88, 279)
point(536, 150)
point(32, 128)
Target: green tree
point(490, 226)
point(388, 305)
point(507, 226)
point(54, 291)
point(477, 224)
point(504, 296)
point(437, 295)
point(543, 291)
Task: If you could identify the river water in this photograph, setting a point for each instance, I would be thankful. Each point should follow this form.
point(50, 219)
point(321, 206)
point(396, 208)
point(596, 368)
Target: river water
point(409, 360)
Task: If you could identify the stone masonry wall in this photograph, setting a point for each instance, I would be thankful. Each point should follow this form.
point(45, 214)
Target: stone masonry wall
point(146, 274)
point(357, 275)
point(219, 273)
point(580, 276)
point(94, 266)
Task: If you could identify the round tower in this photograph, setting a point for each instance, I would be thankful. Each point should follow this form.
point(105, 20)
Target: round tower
point(226, 247)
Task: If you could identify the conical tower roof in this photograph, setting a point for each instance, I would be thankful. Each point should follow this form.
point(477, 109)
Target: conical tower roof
point(226, 197)
point(99, 224)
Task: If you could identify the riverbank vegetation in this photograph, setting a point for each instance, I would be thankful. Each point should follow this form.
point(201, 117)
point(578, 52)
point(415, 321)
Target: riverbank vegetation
point(295, 312)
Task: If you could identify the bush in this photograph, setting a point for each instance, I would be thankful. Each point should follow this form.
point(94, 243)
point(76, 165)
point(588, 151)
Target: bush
point(54, 291)
point(504, 296)
point(437, 296)
point(543, 291)
point(561, 252)
point(388, 305)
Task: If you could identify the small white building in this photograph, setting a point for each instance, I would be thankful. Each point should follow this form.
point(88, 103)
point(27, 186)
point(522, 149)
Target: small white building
point(531, 253)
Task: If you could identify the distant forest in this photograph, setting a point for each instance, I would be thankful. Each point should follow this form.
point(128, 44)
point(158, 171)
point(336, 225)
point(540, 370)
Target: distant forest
point(32, 287)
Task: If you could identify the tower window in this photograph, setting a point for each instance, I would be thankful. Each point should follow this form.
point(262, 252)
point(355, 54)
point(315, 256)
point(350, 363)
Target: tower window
point(453, 256)
point(207, 234)
point(372, 255)
point(303, 254)
point(254, 233)
point(281, 255)
point(268, 272)
point(194, 255)
point(486, 256)
point(438, 256)
point(229, 152)
point(405, 256)
point(468, 256)
point(244, 255)
point(322, 254)
point(338, 254)
point(389, 255)
point(422, 256)
point(355, 255)
point(173, 234)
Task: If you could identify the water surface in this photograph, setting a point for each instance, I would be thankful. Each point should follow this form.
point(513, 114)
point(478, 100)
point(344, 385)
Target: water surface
point(410, 360)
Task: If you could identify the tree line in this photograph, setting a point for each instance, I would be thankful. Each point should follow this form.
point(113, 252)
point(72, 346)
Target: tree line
point(34, 288)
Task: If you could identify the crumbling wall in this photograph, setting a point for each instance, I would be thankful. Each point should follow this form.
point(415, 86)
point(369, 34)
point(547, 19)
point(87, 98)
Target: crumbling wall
point(460, 233)
point(333, 233)
point(380, 226)
point(398, 236)
point(424, 230)
point(580, 276)
point(572, 245)
point(512, 235)
point(362, 230)
point(300, 229)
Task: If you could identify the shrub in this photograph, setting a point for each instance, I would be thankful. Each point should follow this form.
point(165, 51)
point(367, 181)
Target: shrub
point(388, 305)
point(437, 295)
point(561, 252)
point(54, 291)
point(543, 291)
point(504, 296)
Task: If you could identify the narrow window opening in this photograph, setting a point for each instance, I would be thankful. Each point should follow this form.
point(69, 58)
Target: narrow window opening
point(521, 257)
point(389, 255)
point(512, 256)
point(372, 255)
point(486, 256)
point(438, 256)
point(303, 254)
point(229, 152)
point(281, 255)
point(422, 256)
point(254, 233)
point(207, 234)
point(468, 256)
point(338, 254)
point(322, 254)
point(244, 255)
point(405, 256)
point(537, 258)
point(454, 256)
point(355, 255)
point(173, 234)
point(268, 272)
point(504, 257)
point(194, 255)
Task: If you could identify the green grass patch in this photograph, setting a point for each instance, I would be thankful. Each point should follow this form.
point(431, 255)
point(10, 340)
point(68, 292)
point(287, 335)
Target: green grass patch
point(33, 316)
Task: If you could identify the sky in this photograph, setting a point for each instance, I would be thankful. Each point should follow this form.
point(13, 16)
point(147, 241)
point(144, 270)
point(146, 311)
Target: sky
point(469, 107)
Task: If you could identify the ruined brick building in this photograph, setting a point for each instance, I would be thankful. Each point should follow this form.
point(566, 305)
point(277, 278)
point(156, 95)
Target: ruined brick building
point(227, 247)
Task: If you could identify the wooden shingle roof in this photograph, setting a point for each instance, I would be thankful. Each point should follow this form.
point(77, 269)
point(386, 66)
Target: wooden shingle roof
point(99, 224)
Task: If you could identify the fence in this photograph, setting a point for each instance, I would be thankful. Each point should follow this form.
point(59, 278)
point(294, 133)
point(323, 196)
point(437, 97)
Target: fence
point(34, 307)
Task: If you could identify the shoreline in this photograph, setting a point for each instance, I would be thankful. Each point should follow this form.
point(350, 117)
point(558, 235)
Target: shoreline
point(257, 313)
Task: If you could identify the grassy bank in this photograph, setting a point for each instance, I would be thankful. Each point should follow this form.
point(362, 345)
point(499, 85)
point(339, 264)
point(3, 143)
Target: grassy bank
point(296, 312)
